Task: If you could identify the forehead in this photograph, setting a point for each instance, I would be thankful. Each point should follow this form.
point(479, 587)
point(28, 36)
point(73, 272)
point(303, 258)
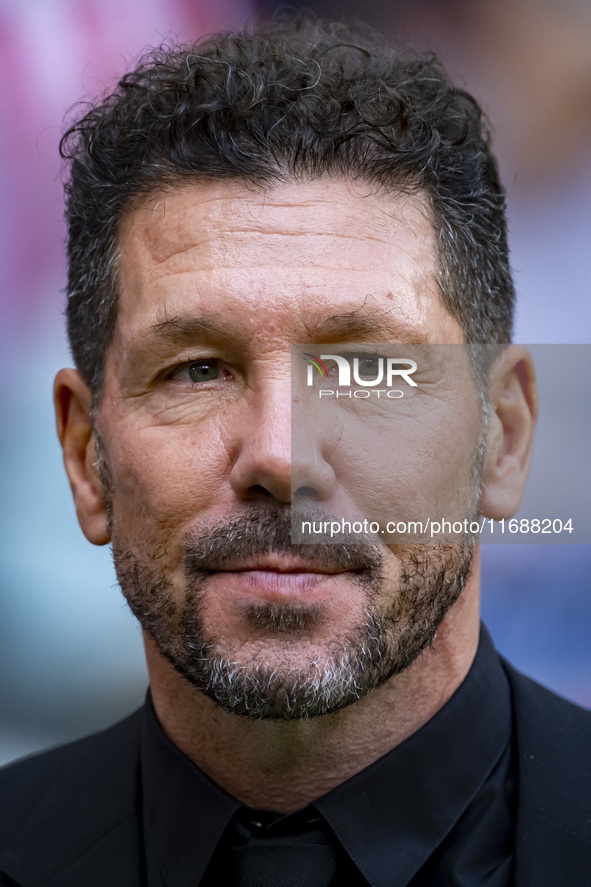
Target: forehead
point(283, 262)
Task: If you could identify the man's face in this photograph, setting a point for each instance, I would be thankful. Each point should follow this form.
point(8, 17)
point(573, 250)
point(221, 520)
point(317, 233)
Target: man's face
point(217, 281)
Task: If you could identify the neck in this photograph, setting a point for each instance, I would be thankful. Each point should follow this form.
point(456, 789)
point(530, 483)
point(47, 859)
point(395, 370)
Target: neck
point(285, 765)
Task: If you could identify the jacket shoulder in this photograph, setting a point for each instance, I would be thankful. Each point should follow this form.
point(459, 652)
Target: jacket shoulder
point(553, 741)
point(57, 805)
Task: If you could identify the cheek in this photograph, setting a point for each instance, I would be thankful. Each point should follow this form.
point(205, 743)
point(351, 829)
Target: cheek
point(413, 466)
point(163, 480)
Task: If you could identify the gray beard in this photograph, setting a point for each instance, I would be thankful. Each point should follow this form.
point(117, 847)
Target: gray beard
point(384, 645)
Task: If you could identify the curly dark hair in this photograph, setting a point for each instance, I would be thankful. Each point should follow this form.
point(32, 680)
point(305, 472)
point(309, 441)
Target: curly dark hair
point(297, 99)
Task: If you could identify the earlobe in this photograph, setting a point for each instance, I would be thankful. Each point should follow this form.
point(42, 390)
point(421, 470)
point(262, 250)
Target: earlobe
point(514, 405)
point(72, 400)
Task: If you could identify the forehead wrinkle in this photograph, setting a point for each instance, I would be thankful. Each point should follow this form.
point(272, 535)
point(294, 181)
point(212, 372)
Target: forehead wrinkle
point(163, 239)
point(163, 251)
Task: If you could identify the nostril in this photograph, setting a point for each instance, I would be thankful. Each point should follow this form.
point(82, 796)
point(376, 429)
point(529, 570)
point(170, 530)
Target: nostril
point(306, 493)
point(259, 490)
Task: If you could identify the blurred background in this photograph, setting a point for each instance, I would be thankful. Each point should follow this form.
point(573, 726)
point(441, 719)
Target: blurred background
point(71, 658)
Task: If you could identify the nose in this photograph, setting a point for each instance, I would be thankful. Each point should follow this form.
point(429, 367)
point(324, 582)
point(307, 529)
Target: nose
point(276, 456)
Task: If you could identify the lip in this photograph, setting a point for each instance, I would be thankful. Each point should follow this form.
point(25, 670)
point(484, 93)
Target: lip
point(278, 564)
point(278, 579)
point(272, 585)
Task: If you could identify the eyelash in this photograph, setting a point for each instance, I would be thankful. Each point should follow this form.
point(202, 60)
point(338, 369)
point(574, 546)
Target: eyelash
point(185, 364)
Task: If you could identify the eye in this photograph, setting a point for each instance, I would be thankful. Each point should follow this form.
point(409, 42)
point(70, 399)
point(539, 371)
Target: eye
point(369, 366)
point(204, 371)
point(198, 371)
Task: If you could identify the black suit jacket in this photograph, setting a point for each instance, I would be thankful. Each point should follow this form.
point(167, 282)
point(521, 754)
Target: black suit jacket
point(67, 814)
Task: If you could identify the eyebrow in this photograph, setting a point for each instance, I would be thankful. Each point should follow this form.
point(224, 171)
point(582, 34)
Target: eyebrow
point(180, 331)
point(156, 342)
point(358, 325)
point(184, 330)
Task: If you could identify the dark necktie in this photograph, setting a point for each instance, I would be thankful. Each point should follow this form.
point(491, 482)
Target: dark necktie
point(270, 850)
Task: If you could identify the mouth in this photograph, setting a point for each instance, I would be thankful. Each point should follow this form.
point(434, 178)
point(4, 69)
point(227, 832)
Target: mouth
point(279, 564)
point(280, 579)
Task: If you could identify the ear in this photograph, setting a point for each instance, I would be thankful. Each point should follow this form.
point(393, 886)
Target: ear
point(73, 402)
point(514, 402)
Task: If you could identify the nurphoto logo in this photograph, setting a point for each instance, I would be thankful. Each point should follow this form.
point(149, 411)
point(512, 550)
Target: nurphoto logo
point(368, 372)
